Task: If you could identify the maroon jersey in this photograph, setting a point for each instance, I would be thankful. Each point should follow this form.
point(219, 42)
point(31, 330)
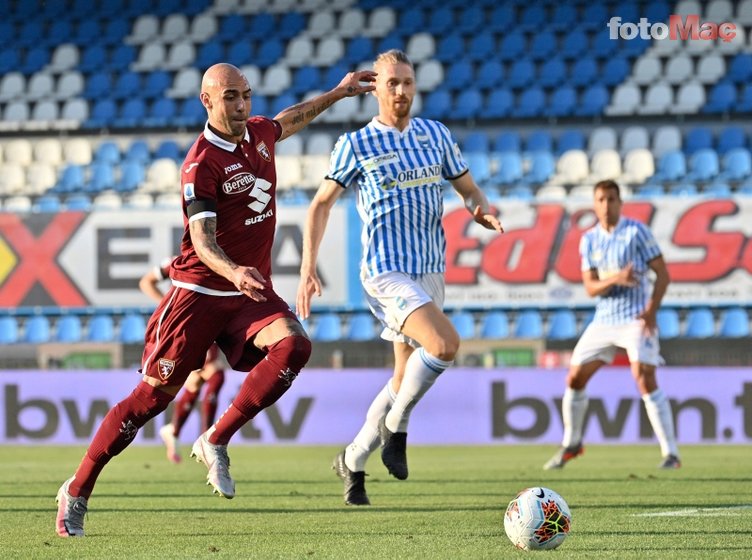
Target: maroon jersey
point(235, 183)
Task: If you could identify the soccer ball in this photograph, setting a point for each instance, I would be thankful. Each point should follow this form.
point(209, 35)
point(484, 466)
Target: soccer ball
point(537, 519)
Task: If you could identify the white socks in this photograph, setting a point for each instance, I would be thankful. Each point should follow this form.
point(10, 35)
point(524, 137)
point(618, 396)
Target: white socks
point(367, 440)
point(659, 413)
point(573, 407)
point(421, 370)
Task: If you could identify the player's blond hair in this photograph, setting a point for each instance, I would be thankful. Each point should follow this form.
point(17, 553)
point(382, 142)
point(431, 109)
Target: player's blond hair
point(393, 56)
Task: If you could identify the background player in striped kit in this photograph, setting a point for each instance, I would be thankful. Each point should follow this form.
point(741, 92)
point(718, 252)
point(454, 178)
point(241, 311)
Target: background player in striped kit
point(399, 165)
point(211, 374)
point(616, 254)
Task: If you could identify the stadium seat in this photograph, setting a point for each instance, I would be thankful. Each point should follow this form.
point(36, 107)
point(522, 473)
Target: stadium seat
point(737, 165)
point(490, 75)
point(542, 46)
point(731, 137)
point(602, 138)
point(703, 165)
point(481, 47)
point(667, 138)
point(572, 168)
point(68, 329)
point(722, 98)
point(521, 74)
point(606, 164)
point(512, 46)
point(717, 190)
point(461, 72)
point(689, 99)
point(603, 47)
point(36, 330)
point(429, 75)
point(711, 68)
point(495, 325)
point(734, 323)
point(78, 203)
point(570, 139)
point(583, 72)
point(9, 331)
point(562, 102)
point(132, 328)
point(634, 138)
point(102, 177)
point(475, 142)
point(44, 113)
point(552, 73)
point(683, 189)
point(328, 328)
point(647, 70)
point(672, 166)
point(530, 103)
point(700, 323)
point(574, 44)
point(638, 167)
point(542, 167)
point(479, 164)
point(667, 321)
point(562, 325)
point(529, 324)
point(507, 141)
point(101, 328)
point(625, 100)
point(509, 168)
point(678, 69)
point(498, 104)
point(740, 69)
point(438, 105)
point(744, 102)
point(657, 100)
point(464, 323)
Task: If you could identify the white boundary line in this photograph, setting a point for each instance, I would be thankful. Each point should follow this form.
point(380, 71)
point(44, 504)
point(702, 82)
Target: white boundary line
point(705, 512)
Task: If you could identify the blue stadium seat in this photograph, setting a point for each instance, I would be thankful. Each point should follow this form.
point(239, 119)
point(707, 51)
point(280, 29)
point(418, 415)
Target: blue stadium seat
point(737, 165)
point(211, 52)
point(97, 86)
point(101, 328)
point(281, 102)
point(593, 101)
point(68, 329)
point(305, 79)
point(471, 19)
point(542, 167)
point(48, 203)
point(461, 74)
point(683, 189)
point(464, 323)
point(10, 59)
point(8, 330)
point(241, 53)
point(71, 180)
point(392, 40)
point(481, 47)
point(290, 25)
point(169, 149)
point(717, 190)
point(102, 177)
point(594, 16)
point(722, 98)
point(475, 142)
point(744, 104)
point(521, 74)
point(232, 25)
point(450, 49)
point(156, 83)
point(542, 46)
point(87, 31)
point(509, 168)
point(562, 102)
point(672, 166)
point(562, 325)
point(520, 192)
point(437, 104)
point(584, 72)
point(328, 328)
point(507, 141)
point(667, 321)
point(138, 150)
point(132, 113)
point(649, 191)
point(734, 323)
point(615, 71)
point(361, 327)
point(468, 104)
point(263, 24)
point(107, 152)
point(700, 323)
point(36, 330)
point(499, 103)
point(440, 20)
point(495, 325)
point(132, 328)
point(512, 46)
point(603, 47)
point(539, 140)
point(127, 85)
point(531, 102)
point(501, 19)
point(571, 139)
point(162, 112)
point(102, 114)
point(656, 11)
point(78, 203)
point(121, 58)
point(93, 58)
point(564, 18)
point(269, 52)
point(703, 165)
point(115, 30)
point(359, 50)
point(35, 59)
point(574, 45)
point(740, 69)
point(552, 73)
point(132, 174)
point(479, 164)
point(533, 17)
point(529, 324)
point(411, 21)
point(731, 137)
point(697, 138)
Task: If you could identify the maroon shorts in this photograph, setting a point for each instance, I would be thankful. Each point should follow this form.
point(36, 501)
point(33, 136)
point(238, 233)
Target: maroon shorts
point(186, 324)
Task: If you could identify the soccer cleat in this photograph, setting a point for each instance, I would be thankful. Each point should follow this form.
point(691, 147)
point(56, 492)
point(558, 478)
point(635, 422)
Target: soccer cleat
point(70, 513)
point(216, 460)
point(563, 456)
point(171, 443)
point(393, 451)
point(355, 483)
point(670, 462)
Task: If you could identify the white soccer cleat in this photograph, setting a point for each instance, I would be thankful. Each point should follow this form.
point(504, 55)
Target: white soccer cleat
point(70, 513)
point(216, 460)
point(171, 443)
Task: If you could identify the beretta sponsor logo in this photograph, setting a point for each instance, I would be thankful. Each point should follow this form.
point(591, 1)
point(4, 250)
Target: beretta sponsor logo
point(238, 183)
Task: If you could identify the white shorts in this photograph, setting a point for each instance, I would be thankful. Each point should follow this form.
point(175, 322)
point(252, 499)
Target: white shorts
point(599, 342)
point(392, 296)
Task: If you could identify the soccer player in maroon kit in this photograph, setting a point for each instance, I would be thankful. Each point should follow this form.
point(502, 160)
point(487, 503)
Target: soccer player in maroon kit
point(221, 286)
point(211, 375)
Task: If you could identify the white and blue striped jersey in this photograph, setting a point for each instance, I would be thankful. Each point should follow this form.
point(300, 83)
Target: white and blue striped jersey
point(399, 177)
point(608, 252)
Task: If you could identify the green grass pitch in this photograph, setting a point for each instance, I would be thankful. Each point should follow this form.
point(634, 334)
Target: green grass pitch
point(289, 505)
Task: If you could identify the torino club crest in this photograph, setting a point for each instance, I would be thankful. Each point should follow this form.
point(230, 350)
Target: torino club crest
point(166, 367)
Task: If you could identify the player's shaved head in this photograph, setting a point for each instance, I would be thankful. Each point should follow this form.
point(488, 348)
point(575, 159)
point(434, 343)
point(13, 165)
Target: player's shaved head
point(219, 75)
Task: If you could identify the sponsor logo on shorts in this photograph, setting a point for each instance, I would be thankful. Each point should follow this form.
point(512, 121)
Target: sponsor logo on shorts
point(401, 302)
point(263, 151)
point(166, 367)
point(238, 183)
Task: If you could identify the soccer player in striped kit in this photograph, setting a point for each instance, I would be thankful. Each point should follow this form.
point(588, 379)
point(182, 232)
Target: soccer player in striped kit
point(616, 254)
point(398, 165)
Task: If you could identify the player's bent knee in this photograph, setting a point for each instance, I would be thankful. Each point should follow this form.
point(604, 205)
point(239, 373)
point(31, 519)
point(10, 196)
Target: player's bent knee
point(292, 351)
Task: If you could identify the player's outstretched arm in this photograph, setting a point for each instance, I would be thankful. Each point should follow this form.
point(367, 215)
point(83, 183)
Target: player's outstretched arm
point(313, 233)
point(246, 279)
point(298, 116)
point(476, 202)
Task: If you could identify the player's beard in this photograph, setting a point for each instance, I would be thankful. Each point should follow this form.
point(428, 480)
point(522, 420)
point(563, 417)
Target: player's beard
point(402, 107)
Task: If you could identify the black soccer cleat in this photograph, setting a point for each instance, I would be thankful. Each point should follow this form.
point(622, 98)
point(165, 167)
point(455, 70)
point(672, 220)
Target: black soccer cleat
point(393, 451)
point(670, 462)
point(355, 482)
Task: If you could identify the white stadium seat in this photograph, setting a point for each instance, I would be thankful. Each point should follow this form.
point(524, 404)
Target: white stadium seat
point(12, 86)
point(69, 85)
point(203, 27)
point(186, 83)
point(633, 138)
point(606, 164)
point(572, 168)
point(41, 85)
point(638, 166)
point(678, 69)
point(381, 21)
point(351, 23)
point(328, 51)
point(647, 70)
point(145, 30)
point(39, 178)
point(711, 68)
point(667, 138)
point(12, 178)
point(428, 75)
point(49, 151)
point(277, 78)
point(321, 24)
point(601, 138)
point(420, 47)
point(19, 151)
point(174, 28)
point(625, 100)
point(64, 57)
point(77, 151)
point(181, 54)
point(689, 99)
point(299, 51)
point(657, 100)
point(289, 171)
point(151, 57)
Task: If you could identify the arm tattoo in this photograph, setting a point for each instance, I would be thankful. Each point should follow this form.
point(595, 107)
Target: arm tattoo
point(204, 239)
point(306, 112)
